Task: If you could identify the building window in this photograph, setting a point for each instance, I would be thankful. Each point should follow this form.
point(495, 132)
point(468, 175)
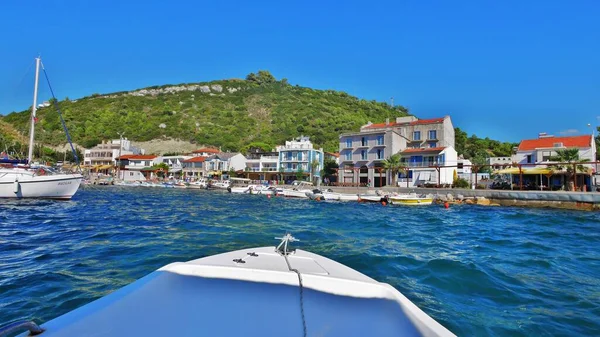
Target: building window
point(363, 154)
point(379, 140)
point(417, 135)
point(364, 141)
point(348, 155)
point(348, 142)
point(432, 134)
point(529, 159)
point(433, 144)
point(459, 165)
point(379, 154)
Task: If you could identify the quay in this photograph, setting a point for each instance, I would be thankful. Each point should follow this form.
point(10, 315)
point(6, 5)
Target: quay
point(589, 201)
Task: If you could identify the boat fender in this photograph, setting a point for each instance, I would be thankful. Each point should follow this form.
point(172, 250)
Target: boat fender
point(16, 185)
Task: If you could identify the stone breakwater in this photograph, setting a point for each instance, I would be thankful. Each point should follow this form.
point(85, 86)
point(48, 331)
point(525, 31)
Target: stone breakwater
point(551, 199)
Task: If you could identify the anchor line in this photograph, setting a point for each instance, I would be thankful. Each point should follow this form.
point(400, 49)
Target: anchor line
point(300, 284)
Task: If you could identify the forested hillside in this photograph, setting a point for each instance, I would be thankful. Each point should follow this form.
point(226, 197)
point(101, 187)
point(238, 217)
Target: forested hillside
point(227, 113)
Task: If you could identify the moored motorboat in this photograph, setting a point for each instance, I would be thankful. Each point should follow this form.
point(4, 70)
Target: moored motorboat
point(373, 198)
point(250, 292)
point(410, 200)
point(298, 190)
point(198, 184)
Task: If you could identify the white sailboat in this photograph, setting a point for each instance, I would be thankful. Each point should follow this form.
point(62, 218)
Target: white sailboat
point(251, 292)
point(27, 182)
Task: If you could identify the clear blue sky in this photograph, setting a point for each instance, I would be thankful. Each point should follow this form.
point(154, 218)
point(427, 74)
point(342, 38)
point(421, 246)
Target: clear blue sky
point(502, 69)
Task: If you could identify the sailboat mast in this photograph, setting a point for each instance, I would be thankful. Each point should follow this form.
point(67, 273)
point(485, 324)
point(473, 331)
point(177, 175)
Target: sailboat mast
point(33, 110)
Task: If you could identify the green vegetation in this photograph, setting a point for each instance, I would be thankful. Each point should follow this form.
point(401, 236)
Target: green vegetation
point(394, 165)
point(571, 163)
point(227, 113)
point(235, 115)
point(478, 149)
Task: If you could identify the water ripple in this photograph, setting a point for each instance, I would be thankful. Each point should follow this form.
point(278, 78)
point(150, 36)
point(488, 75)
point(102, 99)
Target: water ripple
point(477, 270)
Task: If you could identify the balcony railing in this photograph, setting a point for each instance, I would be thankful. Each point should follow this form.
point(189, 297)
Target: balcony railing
point(423, 164)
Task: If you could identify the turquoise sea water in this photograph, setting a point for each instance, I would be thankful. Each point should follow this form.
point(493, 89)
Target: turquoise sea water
point(476, 270)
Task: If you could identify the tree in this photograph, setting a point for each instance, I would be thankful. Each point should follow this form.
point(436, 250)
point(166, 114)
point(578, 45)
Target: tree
point(314, 166)
point(394, 165)
point(299, 173)
point(569, 161)
point(163, 169)
point(262, 77)
point(330, 167)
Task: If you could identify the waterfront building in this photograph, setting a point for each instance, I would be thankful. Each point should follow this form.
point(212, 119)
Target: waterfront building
point(362, 153)
point(425, 166)
point(137, 167)
point(223, 162)
point(106, 153)
point(497, 163)
point(261, 165)
point(539, 151)
point(175, 164)
point(193, 167)
point(296, 158)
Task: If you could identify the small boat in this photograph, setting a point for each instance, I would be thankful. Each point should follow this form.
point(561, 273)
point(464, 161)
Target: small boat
point(373, 198)
point(219, 184)
point(410, 200)
point(180, 184)
point(298, 190)
point(199, 184)
point(250, 292)
point(240, 185)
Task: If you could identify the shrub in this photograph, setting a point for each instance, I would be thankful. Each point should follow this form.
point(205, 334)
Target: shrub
point(460, 183)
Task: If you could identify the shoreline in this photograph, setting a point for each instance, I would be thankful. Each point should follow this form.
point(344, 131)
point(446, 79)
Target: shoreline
point(588, 201)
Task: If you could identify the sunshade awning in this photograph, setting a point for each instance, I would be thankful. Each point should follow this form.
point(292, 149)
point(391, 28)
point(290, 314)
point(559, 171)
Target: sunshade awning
point(510, 170)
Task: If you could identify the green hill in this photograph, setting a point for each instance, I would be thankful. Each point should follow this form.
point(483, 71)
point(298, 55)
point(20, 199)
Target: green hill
point(226, 113)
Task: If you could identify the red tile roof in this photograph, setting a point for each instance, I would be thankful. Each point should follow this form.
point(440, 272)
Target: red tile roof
point(574, 141)
point(417, 122)
point(427, 149)
point(427, 121)
point(195, 160)
point(207, 150)
point(334, 154)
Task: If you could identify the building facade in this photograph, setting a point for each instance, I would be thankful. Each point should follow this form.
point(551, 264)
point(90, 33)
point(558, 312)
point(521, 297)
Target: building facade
point(106, 153)
point(221, 163)
point(261, 165)
point(193, 167)
point(362, 153)
point(540, 151)
point(424, 166)
point(296, 158)
point(497, 163)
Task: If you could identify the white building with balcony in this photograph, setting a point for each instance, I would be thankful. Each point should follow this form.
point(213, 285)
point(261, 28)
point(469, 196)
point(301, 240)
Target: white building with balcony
point(223, 162)
point(362, 153)
point(106, 153)
point(424, 166)
point(297, 157)
point(261, 165)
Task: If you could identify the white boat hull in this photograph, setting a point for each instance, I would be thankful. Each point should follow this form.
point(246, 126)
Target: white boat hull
point(24, 184)
point(250, 292)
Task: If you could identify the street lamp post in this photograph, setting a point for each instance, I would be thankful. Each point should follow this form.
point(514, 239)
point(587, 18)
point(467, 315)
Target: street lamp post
point(594, 154)
point(120, 148)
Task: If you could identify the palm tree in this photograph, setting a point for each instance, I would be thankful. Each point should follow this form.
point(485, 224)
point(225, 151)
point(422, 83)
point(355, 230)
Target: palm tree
point(394, 165)
point(570, 162)
point(314, 165)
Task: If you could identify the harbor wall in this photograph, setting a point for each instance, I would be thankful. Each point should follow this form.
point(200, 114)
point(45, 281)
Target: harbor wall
point(552, 199)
